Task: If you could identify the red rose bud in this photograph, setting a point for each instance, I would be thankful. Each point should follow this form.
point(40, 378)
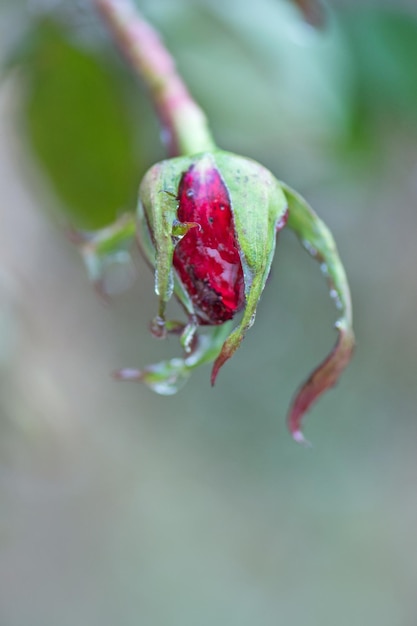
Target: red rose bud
point(207, 260)
point(207, 224)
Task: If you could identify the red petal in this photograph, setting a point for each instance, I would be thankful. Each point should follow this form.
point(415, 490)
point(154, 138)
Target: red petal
point(207, 259)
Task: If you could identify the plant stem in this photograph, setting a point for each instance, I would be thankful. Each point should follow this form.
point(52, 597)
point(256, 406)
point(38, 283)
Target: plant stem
point(184, 125)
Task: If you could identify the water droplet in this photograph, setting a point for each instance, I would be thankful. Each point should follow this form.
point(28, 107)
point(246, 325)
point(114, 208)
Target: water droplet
point(189, 193)
point(335, 297)
point(173, 382)
point(158, 328)
point(324, 269)
point(310, 248)
point(169, 288)
point(203, 346)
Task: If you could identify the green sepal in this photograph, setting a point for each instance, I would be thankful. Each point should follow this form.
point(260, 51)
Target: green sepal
point(319, 243)
point(259, 207)
point(157, 215)
point(168, 377)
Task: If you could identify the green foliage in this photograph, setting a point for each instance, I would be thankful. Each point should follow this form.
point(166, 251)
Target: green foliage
point(383, 45)
point(90, 131)
point(80, 127)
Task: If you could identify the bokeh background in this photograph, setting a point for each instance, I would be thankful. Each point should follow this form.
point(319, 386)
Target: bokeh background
point(118, 506)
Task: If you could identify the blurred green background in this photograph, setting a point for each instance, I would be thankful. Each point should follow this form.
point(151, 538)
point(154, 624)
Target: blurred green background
point(118, 506)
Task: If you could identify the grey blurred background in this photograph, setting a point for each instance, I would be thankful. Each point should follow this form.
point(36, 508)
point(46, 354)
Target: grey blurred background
point(118, 506)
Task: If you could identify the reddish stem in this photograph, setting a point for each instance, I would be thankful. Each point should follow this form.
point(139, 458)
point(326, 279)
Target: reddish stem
point(185, 129)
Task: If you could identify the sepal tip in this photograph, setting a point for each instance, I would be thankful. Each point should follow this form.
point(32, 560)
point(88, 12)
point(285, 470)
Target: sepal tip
point(298, 437)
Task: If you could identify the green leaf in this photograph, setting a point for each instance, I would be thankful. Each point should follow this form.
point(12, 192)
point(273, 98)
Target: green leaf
point(383, 45)
point(80, 127)
point(319, 243)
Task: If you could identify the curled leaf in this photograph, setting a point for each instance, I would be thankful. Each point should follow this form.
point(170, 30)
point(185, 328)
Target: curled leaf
point(318, 241)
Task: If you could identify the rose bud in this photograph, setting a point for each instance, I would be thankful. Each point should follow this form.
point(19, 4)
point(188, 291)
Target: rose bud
point(207, 223)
